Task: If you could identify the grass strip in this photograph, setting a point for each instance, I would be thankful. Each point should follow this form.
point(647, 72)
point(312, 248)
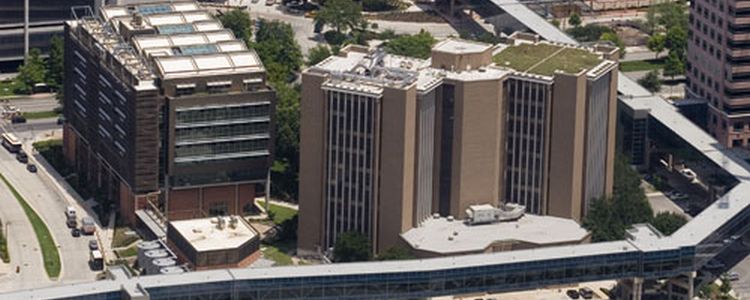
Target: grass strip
point(40, 115)
point(50, 254)
point(3, 245)
point(278, 212)
point(642, 65)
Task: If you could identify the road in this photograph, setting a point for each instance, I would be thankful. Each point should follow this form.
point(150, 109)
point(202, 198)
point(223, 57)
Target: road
point(32, 127)
point(50, 205)
point(34, 103)
point(303, 27)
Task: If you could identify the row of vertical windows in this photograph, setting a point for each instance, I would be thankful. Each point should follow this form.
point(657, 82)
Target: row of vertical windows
point(223, 113)
point(221, 148)
point(221, 131)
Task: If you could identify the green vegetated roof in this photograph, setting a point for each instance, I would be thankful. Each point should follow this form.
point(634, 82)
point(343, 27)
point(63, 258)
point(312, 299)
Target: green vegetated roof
point(544, 59)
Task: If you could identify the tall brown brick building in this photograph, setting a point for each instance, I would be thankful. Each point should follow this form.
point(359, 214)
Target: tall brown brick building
point(166, 110)
point(388, 141)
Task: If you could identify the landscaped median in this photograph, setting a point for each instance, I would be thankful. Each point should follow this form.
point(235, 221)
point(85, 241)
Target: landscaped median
point(50, 254)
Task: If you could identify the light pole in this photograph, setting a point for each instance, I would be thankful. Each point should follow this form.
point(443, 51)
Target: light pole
point(25, 29)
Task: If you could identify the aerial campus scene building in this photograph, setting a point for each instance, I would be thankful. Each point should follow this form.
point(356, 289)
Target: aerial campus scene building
point(513, 162)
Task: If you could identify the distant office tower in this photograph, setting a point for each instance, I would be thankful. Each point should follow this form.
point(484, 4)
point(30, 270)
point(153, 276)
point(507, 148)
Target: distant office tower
point(166, 110)
point(46, 19)
point(387, 141)
point(718, 67)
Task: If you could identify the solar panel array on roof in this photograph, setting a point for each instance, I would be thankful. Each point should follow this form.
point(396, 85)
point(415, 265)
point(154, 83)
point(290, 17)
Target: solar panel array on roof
point(154, 9)
point(175, 28)
point(198, 49)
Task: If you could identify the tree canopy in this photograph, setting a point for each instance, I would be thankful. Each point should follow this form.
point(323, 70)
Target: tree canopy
point(31, 72)
point(651, 81)
point(317, 54)
point(656, 43)
point(341, 15)
point(588, 33)
point(277, 48)
point(607, 219)
point(352, 246)
point(574, 20)
point(667, 222)
point(55, 68)
point(418, 45)
point(674, 65)
point(395, 253)
point(238, 21)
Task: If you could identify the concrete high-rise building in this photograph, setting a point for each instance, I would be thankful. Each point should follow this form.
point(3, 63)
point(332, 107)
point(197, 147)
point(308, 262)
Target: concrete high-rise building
point(717, 67)
point(387, 141)
point(166, 110)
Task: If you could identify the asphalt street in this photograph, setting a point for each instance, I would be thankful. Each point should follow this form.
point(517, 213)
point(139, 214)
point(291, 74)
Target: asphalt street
point(50, 206)
point(34, 103)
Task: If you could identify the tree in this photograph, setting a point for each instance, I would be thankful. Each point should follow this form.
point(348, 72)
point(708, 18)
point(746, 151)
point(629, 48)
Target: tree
point(676, 42)
point(285, 172)
point(395, 253)
point(673, 66)
point(31, 72)
point(277, 48)
point(656, 43)
point(607, 219)
point(238, 21)
point(574, 20)
point(555, 23)
point(612, 37)
point(379, 5)
point(603, 223)
point(55, 66)
point(588, 32)
point(352, 246)
point(317, 54)
point(340, 14)
point(418, 45)
point(651, 81)
point(667, 222)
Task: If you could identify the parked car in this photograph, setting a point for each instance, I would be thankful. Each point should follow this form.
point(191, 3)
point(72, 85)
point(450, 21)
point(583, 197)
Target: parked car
point(18, 119)
point(70, 212)
point(732, 276)
point(573, 294)
point(270, 2)
point(87, 225)
point(75, 232)
point(71, 223)
point(688, 174)
point(31, 168)
point(22, 157)
point(586, 293)
point(93, 245)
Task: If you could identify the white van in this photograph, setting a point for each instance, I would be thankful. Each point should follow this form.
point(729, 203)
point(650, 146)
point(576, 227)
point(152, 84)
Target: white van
point(70, 212)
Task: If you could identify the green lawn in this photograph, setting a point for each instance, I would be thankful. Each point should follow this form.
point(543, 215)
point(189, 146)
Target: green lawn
point(280, 213)
point(3, 245)
point(524, 56)
point(642, 65)
point(121, 239)
point(128, 252)
point(7, 88)
point(50, 254)
point(277, 254)
point(545, 59)
point(570, 60)
point(40, 115)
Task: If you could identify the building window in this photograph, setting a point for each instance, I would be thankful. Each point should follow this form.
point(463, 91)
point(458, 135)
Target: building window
point(218, 87)
point(736, 143)
point(217, 209)
point(184, 89)
point(739, 126)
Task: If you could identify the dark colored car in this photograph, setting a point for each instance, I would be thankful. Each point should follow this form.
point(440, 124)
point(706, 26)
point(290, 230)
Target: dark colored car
point(93, 245)
point(586, 293)
point(75, 232)
point(22, 157)
point(573, 294)
point(18, 119)
point(31, 168)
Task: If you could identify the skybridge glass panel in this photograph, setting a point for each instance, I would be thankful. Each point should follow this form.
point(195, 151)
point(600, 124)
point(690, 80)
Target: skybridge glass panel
point(175, 28)
point(154, 9)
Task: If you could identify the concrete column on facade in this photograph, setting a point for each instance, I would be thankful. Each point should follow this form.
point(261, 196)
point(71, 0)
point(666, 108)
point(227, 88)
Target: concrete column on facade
point(681, 287)
point(630, 289)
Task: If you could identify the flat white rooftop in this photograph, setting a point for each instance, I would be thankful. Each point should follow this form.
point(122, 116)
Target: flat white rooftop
point(205, 234)
point(456, 46)
point(451, 237)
